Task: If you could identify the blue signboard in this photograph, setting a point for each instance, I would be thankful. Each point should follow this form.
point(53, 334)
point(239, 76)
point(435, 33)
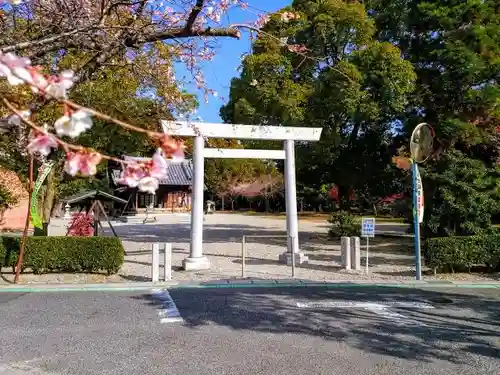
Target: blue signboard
point(368, 227)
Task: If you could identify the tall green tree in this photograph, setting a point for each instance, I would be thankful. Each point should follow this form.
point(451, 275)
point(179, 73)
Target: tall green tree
point(342, 80)
point(454, 47)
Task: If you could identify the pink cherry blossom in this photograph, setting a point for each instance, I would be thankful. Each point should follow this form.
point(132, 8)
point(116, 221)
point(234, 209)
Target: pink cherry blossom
point(73, 124)
point(15, 68)
point(148, 185)
point(16, 120)
point(158, 166)
point(84, 163)
point(59, 85)
point(172, 146)
point(178, 155)
point(131, 175)
point(19, 71)
point(42, 143)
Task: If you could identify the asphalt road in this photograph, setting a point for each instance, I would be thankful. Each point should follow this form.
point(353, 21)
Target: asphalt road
point(341, 331)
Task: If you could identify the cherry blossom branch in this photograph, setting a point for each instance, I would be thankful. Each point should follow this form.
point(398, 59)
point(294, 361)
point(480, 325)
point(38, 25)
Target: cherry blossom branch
point(65, 145)
point(103, 116)
point(48, 87)
point(144, 175)
point(47, 93)
point(42, 42)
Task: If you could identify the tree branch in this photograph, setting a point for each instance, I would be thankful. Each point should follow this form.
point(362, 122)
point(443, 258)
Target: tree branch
point(181, 33)
point(42, 42)
point(194, 14)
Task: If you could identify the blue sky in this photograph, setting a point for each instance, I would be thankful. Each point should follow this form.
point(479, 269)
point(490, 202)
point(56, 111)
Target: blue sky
point(222, 68)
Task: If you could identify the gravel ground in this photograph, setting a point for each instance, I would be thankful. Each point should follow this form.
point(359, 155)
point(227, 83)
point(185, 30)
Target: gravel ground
point(388, 260)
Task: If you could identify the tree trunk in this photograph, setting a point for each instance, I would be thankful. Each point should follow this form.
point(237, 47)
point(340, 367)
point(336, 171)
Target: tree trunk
point(344, 198)
point(232, 204)
point(222, 203)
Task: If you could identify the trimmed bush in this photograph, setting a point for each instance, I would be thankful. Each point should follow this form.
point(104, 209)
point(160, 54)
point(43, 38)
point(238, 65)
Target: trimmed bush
point(65, 254)
point(463, 253)
point(344, 224)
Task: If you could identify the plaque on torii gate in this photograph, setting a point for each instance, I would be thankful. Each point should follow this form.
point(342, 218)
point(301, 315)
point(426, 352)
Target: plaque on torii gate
point(202, 130)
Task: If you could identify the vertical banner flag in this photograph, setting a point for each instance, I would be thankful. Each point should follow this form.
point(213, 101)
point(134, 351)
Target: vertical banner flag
point(43, 172)
point(420, 198)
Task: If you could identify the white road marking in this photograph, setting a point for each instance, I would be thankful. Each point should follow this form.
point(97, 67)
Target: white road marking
point(23, 368)
point(381, 309)
point(168, 313)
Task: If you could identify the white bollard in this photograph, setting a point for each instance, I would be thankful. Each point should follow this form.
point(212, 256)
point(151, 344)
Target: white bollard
point(155, 263)
point(167, 262)
point(356, 253)
point(345, 251)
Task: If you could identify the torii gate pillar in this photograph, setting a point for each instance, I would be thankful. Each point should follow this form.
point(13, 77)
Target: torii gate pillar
point(196, 259)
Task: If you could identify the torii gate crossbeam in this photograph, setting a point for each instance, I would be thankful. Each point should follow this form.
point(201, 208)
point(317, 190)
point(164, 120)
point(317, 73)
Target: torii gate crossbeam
point(202, 130)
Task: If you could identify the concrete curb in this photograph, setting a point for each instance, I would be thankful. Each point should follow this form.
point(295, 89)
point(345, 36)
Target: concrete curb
point(245, 283)
point(118, 287)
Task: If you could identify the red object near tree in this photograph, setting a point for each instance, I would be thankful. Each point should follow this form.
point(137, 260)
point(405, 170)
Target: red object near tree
point(334, 193)
point(81, 225)
point(392, 198)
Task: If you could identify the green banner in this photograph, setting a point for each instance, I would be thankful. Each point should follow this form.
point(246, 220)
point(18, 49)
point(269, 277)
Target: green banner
point(44, 170)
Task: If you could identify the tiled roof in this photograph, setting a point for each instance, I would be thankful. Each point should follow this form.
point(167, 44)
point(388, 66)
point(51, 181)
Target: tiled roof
point(178, 174)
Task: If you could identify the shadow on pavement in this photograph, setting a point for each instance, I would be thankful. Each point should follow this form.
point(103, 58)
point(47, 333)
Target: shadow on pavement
point(459, 325)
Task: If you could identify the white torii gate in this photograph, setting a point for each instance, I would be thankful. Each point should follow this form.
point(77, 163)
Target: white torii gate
point(201, 130)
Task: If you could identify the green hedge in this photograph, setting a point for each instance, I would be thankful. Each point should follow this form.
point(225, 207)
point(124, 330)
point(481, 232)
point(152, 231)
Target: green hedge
point(463, 253)
point(344, 224)
point(64, 254)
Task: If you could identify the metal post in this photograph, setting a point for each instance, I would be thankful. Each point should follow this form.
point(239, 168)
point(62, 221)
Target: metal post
point(243, 256)
point(367, 253)
point(291, 197)
point(292, 241)
point(155, 263)
point(416, 224)
point(167, 262)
